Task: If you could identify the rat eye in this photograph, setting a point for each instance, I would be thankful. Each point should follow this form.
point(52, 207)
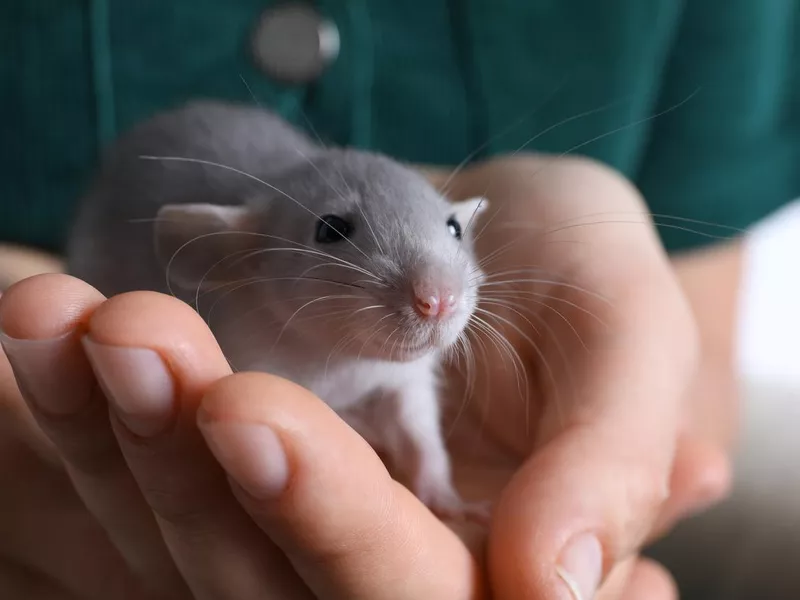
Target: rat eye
point(332, 229)
point(454, 227)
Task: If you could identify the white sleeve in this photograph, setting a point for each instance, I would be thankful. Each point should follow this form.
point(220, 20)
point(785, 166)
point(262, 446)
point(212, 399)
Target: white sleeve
point(764, 505)
point(768, 337)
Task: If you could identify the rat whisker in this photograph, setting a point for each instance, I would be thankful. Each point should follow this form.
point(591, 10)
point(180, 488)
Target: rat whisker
point(328, 264)
point(198, 238)
point(703, 234)
point(216, 288)
point(316, 253)
point(305, 117)
point(485, 260)
point(248, 254)
point(445, 187)
point(594, 139)
point(256, 279)
point(484, 354)
point(484, 227)
point(314, 299)
point(398, 340)
point(366, 282)
point(514, 125)
point(494, 336)
point(463, 346)
point(554, 283)
point(523, 390)
point(553, 335)
point(338, 193)
point(471, 219)
point(505, 285)
point(509, 306)
point(530, 296)
point(319, 139)
point(541, 356)
point(376, 331)
point(515, 271)
point(238, 285)
point(346, 340)
point(472, 334)
point(388, 339)
point(470, 364)
point(366, 308)
point(333, 315)
point(646, 214)
point(503, 346)
point(249, 176)
point(306, 305)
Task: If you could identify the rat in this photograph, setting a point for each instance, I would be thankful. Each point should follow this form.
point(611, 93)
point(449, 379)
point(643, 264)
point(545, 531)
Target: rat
point(341, 270)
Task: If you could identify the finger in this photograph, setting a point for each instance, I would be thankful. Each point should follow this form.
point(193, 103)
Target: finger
point(701, 477)
point(593, 491)
point(154, 357)
point(44, 526)
point(43, 319)
point(650, 581)
point(18, 582)
point(614, 585)
point(324, 496)
point(17, 424)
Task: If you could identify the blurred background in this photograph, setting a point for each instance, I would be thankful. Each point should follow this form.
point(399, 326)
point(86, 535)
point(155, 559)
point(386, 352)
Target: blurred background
point(749, 547)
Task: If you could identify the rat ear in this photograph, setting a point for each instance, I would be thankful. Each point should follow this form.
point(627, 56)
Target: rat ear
point(194, 241)
point(467, 211)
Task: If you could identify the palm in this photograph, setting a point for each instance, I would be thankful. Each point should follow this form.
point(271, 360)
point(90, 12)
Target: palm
point(541, 327)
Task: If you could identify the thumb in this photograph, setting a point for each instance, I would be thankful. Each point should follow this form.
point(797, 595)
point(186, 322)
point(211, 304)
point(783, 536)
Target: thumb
point(323, 496)
point(569, 516)
point(588, 498)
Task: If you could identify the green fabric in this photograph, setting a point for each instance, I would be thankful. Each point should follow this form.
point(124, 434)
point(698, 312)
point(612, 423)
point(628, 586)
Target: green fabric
point(428, 81)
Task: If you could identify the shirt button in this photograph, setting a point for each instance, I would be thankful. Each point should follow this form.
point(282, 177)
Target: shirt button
point(293, 43)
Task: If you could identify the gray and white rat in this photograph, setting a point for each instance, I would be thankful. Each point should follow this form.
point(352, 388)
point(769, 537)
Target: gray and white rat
point(338, 269)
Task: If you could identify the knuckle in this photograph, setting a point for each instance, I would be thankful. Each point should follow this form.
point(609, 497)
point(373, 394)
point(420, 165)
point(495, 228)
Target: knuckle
point(101, 462)
point(186, 507)
point(86, 443)
point(363, 543)
point(568, 168)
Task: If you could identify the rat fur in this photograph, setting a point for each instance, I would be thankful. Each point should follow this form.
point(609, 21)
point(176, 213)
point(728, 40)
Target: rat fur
point(338, 269)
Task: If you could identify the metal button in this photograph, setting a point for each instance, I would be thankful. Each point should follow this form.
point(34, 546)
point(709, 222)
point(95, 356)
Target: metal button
point(293, 43)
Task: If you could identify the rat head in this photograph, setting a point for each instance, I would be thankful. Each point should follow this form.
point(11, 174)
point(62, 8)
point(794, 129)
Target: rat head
point(349, 251)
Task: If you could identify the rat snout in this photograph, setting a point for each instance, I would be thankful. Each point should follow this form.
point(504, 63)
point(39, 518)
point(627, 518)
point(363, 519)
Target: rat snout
point(434, 302)
point(436, 292)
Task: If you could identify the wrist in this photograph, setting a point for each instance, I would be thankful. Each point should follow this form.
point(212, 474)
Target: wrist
point(711, 279)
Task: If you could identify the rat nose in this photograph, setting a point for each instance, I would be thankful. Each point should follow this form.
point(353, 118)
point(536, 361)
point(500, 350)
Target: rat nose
point(433, 303)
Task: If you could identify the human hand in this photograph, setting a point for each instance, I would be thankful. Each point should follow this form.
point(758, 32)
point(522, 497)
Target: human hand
point(711, 279)
point(162, 519)
point(20, 262)
point(606, 436)
point(483, 463)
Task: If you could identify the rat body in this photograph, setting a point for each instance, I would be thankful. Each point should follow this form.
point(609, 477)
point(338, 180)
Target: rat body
point(340, 270)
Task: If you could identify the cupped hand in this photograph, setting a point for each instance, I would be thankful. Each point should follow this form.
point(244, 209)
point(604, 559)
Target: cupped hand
point(202, 484)
point(582, 373)
point(130, 394)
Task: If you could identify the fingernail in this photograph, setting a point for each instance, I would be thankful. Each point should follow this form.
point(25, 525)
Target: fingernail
point(51, 373)
point(581, 566)
point(251, 454)
point(136, 382)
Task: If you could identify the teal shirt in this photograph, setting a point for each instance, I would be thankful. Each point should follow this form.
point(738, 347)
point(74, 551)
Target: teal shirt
point(427, 81)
